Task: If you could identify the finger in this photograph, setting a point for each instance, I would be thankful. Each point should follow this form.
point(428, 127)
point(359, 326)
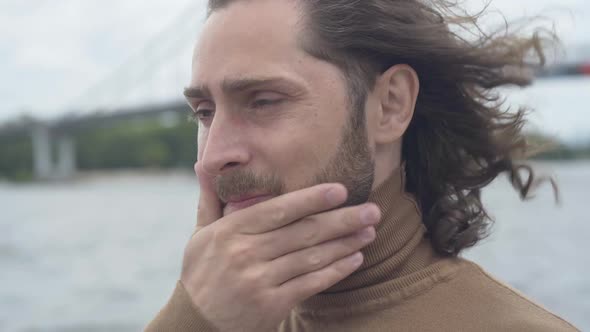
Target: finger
point(316, 229)
point(302, 287)
point(209, 209)
point(282, 210)
point(315, 258)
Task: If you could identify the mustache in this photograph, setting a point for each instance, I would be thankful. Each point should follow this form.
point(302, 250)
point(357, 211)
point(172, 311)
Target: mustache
point(242, 182)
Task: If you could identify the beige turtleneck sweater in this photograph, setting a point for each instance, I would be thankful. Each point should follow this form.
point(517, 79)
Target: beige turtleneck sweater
point(403, 285)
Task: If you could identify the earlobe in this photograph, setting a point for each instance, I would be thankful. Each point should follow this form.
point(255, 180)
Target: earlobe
point(398, 87)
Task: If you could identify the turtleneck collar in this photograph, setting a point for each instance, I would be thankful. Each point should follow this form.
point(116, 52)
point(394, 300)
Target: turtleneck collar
point(396, 257)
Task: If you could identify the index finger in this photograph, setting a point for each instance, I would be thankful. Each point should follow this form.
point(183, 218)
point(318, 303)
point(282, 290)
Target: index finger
point(283, 210)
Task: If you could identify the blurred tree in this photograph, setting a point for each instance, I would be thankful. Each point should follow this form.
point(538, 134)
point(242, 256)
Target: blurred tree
point(16, 157)
point(138, 144)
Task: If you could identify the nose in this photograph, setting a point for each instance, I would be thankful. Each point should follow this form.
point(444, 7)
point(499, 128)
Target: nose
point(224, 147)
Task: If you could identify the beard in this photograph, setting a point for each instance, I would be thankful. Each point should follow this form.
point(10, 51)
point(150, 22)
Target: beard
point(352, 166)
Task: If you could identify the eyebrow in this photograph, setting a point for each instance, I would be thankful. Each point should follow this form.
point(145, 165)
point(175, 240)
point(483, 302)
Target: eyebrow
point(242, 84)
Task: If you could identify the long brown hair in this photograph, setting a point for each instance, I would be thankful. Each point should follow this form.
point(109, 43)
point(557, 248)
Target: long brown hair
point(461, 137)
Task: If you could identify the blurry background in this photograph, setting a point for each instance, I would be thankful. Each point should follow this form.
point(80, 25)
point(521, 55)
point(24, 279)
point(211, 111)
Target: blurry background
point(97, 195)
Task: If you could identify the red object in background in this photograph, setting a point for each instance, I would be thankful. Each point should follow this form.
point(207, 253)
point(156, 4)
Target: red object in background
point(585, 69)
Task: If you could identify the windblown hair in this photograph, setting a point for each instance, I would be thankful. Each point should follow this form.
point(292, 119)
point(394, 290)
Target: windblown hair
point(461, 137)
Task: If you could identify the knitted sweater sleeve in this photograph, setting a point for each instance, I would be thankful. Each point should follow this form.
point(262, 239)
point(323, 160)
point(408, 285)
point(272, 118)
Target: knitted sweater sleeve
point(179, 315)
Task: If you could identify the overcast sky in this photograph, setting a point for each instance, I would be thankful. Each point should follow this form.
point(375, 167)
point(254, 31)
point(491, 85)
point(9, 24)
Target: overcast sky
point(58, 56)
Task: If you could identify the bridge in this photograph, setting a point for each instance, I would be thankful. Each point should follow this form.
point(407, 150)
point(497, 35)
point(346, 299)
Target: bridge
point(165, 59)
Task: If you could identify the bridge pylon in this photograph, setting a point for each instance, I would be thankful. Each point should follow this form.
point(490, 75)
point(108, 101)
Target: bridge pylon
point(45, 166)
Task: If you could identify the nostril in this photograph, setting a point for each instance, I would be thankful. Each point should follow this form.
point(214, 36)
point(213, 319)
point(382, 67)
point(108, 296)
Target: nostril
point(231, 165)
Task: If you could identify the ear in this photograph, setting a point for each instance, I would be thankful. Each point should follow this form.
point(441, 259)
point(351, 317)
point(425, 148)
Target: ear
point(397, 91)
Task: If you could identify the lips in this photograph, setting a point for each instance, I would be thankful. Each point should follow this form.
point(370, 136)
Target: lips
point(238, 203)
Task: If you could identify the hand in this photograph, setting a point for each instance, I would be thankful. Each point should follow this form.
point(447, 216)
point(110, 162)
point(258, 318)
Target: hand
point(246, 271)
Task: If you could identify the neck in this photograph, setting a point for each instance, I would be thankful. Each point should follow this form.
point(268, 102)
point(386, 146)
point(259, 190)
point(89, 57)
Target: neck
point(387, 162)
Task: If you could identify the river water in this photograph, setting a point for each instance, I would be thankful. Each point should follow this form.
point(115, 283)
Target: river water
point(103, 252)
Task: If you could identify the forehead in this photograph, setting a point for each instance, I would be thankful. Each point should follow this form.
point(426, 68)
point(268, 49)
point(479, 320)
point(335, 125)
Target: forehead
point(248, 38)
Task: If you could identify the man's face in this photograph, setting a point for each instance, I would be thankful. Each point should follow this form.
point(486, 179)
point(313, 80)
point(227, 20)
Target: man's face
point(273, 119)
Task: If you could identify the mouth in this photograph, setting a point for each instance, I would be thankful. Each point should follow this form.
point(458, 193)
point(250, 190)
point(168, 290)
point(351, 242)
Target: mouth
point(243, 201)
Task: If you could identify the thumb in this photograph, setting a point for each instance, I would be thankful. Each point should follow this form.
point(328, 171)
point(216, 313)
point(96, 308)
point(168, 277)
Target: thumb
point(209, 209)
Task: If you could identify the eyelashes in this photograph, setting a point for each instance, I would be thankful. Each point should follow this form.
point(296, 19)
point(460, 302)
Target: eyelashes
point(205, 115)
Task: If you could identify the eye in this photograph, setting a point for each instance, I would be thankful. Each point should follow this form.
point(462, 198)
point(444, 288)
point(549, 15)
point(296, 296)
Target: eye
point(264, 102)
point(204, 112)
point(264, 99)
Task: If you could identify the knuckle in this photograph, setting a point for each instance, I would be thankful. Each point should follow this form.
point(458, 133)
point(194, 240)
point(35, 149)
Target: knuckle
point(277, 214)
point(314, 259)
point(310, 234)
point(240, 253)
point(253, 277)
point(200, 208)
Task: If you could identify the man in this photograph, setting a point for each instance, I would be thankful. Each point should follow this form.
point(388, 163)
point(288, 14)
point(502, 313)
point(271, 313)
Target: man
point(342, 148)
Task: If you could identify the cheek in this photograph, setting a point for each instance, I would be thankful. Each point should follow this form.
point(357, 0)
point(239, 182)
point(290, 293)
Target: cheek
point(299, 150)
point(201, 142)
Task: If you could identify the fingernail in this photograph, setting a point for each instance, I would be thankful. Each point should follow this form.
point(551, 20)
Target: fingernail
point(356, 259)
point(335, 196)
point(369, 215)
point(367, 234)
